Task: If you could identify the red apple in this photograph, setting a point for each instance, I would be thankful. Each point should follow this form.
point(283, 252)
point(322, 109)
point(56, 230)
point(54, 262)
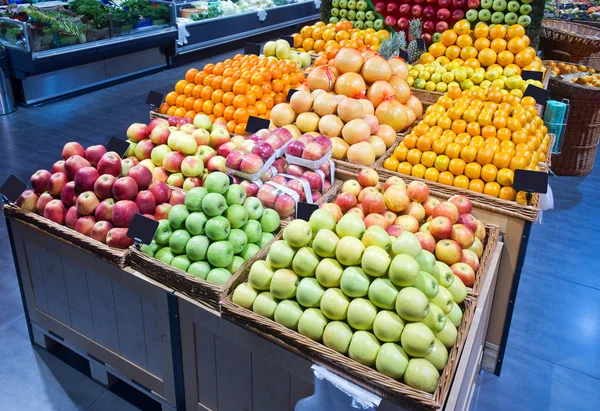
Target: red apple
point(469, 221)
point(373, 203)
point(172, 162)
point(250, 187)
point(93, 154)
point(295, 170)
point(86, 203)
point(72, 149)
point(161, 191)
point(85, 224)
point(191, 182)
point(345, 201)
point(176, 180)
point(71, 217)
point(389, 216)
point(279, 179)
point(159, 135)
point(117, 237)
point(469, 257)
point(141, 175)
point(395, 230)
point(396, 198)
point(427, 241)
point(334, 209)
point(375, 219)
point(67, 195)
point(326, 168)
point(282, 133)
point(416, 210)
point(448, 251)
point(285, 205)
point(275, 141)
point(155, 122)
point(160, 174)
point(56, 182)
point(216, 163)
point(462, 203)
point(368, 177)
point(324, 142)
point(296, 186)
point(314, 179)
point(263, 150)
point(281, 165)
point(295, 148)
point(110, 163)
point(137, 132)
point(464, 272)
point(440, 227)
point(85, 178)
point(104, 185)
point(39, 181)
point(429, 205)
point(42, 201)
point(251, 163)
point(234, 159)
point(267, 194)
point(367, 190)
point(177, 197)
point(326, 186)
point(74, 164)
point(447, 210)
point(55, 211)
point(358, 211)
point(143, 150)
point(161, 211)
point(418, 191)
point(145, 202)
point(408, 222)
point(462, 235)
point(104, 210)
point(58, 167)
point(480, 232)
point(28, 201)
point(100, 230)
point(125, 188)
point(123, 213)
point(313, 151)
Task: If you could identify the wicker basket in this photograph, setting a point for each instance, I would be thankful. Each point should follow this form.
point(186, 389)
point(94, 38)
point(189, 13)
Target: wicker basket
point(582, 134)
point(569, 41)
point(426, 97)
point(116, 256)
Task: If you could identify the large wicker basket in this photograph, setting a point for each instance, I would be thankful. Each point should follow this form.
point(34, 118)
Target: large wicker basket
point(572, 42)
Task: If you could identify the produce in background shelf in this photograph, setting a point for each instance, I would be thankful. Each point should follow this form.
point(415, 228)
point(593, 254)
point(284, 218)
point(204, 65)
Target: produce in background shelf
point(575, 73)
point(501, 12)
point(360, 14)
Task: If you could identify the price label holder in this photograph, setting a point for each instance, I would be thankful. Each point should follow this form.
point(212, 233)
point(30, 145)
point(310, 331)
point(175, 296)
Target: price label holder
point(118, 145)
point(531, 75)
point(530, 182)
point(421, 44)
point(154, 99)
point(142, 230)
point(256, 123)
point(403, 54)
point(289, 39)
point(540, 95)
point(252, 48)
point(305, 210)
point(291, 93)
point(12, 188)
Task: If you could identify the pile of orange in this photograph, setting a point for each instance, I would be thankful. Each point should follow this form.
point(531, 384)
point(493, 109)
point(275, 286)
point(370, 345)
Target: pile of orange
point(233, 90)
point(475, 140)
point(484, 47)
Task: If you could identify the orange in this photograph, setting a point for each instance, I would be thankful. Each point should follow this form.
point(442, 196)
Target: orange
point(414, 156)
point(491, 188)
point(405, 167)
point(476, 185)
point(391, 163)
point(206, 93)
point(462, 27)
point(199, 79)
point(505, 177)
point(190, 75)
point(500, 122)
point(208, 106)
point(209, 68)
point(485, 155)
point(473, 63)
point(477, 142)
point(418, 170)
point(473, 129)
point(268, 100)
point(180, 112)
point(319, 46)
point(180, 86)
point(219, 109)
point(306, 31)
point(431, 174)
point(171, 110)
point(518, 162)
point(228, 113)
point(463, 139)
point(453, 150)
point(461, 182)
point(481, 43)
point(218, 69)
point(424, 143)
point(250, 99)
point(279, 98)
point(468, 52)
point(507, 193)
point(239, 101)
point(180, 100)
point(241, 115)
point(446, 177)
point(410, 141)
point(498, 45)
point(448, 38)
point(488, 131)
point(171, 98)
point(487, 57)
point(516, 45)
point(516, 30)
point(513, 124)
point(428, 158)
point(197, 92)
point(457, 166)
point(227, 98)
point(190, 114)
point(164, 107)
point(231, 125)
point(464, 40)
point(317, 33)
point(437, 49)
point(481, 31)
point(438, 146)
point(208, 79)
point(442, 162)
point(453, 52)
point(240, 87)
point(501, 159)
point(198, 105)
point(488, 173)
point(498, 31)
point(523, 59)
point(505, 58)
point(189, 89)
point(341, 35)
point(328, 34)
point(473, 170)
point(227, 84)
point(297, 40)
point(217, 96)
point(468, 153)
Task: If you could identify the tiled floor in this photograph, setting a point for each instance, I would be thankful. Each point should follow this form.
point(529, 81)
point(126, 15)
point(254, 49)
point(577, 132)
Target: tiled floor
point(553, 357)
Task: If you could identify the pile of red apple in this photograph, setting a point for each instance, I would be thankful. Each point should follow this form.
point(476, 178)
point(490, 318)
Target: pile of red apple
point(437, 15)
point(310, 148)
point(97, 193)
point(446, 229)
point(250, 156)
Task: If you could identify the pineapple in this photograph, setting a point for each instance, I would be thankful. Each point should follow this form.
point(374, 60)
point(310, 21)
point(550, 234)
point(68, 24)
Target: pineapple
point(389, 48)
point(414, 33)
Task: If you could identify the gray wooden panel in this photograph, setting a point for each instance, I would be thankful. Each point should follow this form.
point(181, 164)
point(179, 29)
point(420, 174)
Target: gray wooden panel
point(270, 385)
point(153, 338)
point(35, 273)
point(130, 325)
point(234, 372)
point(54, 283)
point(103, 311)
point(79, 298)
point(299, 389)
point(206, 367)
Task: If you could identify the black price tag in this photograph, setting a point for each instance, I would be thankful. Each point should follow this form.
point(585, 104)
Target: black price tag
point(531, 75)
point(531, 181)
point(256, 123)
point(421, 44)
point(118, 145)
point(252, 48)
point(142, 229)
point(539, 94)
point(231, 180)
point(12, 188)
point(305, 210)
point(154, 99)
point(291, 93)
point(289, 39)
point(403, 54)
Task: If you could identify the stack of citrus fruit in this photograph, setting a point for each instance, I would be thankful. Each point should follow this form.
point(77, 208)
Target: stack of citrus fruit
point(475, 139)
point(483, 56)
point(233, 90)
point(576, 73)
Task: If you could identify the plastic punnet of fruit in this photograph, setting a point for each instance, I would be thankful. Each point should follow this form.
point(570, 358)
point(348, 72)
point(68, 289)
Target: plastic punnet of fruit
point(475, 139)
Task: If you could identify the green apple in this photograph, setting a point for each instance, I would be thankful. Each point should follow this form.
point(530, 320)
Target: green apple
point(298, 233)
point(265, 239)
point(383, 293)
point(458, 290)
point(376, 235)
point(439, 355)
point(499, 5)
point(280, 254)
point(375, 261)
point(217, 228)
point(220, 254)
point(249, 251)
point(349, 250)
point(455, 315)
point(350, 225)
point(337, 336)
point(321, 219)
point(283, 284)
point(193, 198)
point(334, 304)
point(237, 216)
point(288, 314)
point(364, 348)
point(361, 314)
point(329, 272)
point(197, 248)
point(448, 334)
point(417, 339)
point(213, 204)
point(238, 240)
point(471, 16)
point(524, 20)
point(497, 17)
point(426, 261)
point(391, 360)
point(443, 300)
point(443, 274)
point(254, 207)
point(484, 15)
point(406, 243)
point(514, 6)
point(199, 269)
point(236, 264)
point(265, 304)
point(253, 231)
point(421, 374)
point(412, 304)
point(309, 292)
point(163, 232)
point(178, 241)
point(244, 295)
point(236, 194)
point(403, 270)
point(312, 324)
point(177, 215)
point(217, 183)
point(165, 255)
point(260, 275)
point(181, 262)
point(388, 326)
point(218, 276)
point(305, 262)
point(427, 284)
point(150, 249)
point(354, 282)
point(436, 319)
point(269, 221)
point(325, 243)
point(196, 222)
point(511, 18)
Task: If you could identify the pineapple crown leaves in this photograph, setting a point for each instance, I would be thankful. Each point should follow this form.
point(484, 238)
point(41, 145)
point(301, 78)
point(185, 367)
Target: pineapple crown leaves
point(414, 29)
point(389, 48)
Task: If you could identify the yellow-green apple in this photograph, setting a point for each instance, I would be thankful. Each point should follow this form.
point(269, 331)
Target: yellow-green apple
point(143, 150)
point(265, 304)
point(67, 195)
point(329, 272)
point(217, 228)
point(122, 213)
point(462, 235)
point(126, 165)
point(375, 220)
point(130, 152)
point(426, 261)
point(141, 175)
point(439, 355)
point(368, 177)
point(254, 208)
point(236, 194)
point(146, 163)
point(298, 233)
point(110, 163)
point(42, 201)
point(202, 137)
point(309, 292)
point(160, 135)
point(361, 314)
point(383, 293)
point(427, 241)
point(470, 258)
point(373, 203)
point(480, 232)
point(28, 201)
point(72, 149)
point(458, 288)
point(391, 360)
point(421, 374)
point(395, 230)
point(443, 274)
point(425, 227)
point(469, 221)
point(441, 227)
point(137, 132)
point(364, 348)
point(205, 153)
point(443, 300)
point(358, 211)
point(418, 191)
point(337, 336)
point(72, 217)
point(172, 161)
point(349, 250)
point(409, 223)
point(312, 324)
point(354, 282)
point(283, 284)
point(196, 247)
point(376, 236)
point(186, 145)
point(352, 187)
point(388, 326)
point(403, 270)
point(334, 304)
point(345, 201)
point(447, 335)
point(280, 255)
point(429, 205)
point(321, 219)
point(448, 251)
point(217, 183)
point(104, 210)
point(477, 247)
point(100, 230)
point(416, 210)
point(56, 183)
point(244, 295)
point(412, 304)
point(365, 191)
point(174, 138)
point(213, 204)
point(85, 224)
point(55, 211)
point(39, 181)
point(334, 209)
point(455, 315)
point(375, 261)
point(86, 203)
point(325, 243)
point(193, 200)
point(58, 167)
point(436, 319)
point(396, 198)
point(427, 284)
point(288, 314)
point(350, 225)
point(462, 203)
point(394, 180)
point(305, 262)
point(406, 243)
point(417, 339)
point(446, 209)
point(202, 121)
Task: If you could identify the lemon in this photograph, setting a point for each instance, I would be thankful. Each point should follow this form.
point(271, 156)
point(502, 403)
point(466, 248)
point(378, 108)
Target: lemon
point(424, 75)
point(436, 77)
point(441, 87)
point(430, 86)
point(420, 83)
